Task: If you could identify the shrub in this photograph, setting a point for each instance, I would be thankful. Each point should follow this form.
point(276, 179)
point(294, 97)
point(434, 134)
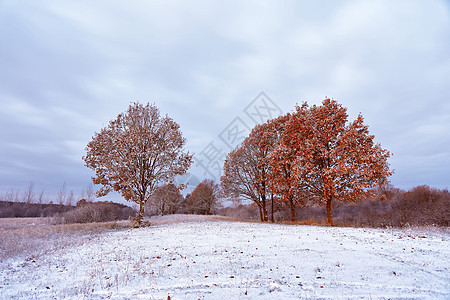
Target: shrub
point(243, 212)
point(419, 206)
point(89, 212)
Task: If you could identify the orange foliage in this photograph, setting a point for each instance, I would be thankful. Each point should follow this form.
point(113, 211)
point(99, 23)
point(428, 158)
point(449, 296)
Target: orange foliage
point(247, 168)
point(334, 160)
point(311, 154)
point(203, 198)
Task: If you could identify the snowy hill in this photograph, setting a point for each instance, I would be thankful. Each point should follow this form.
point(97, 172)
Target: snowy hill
point(188, 257)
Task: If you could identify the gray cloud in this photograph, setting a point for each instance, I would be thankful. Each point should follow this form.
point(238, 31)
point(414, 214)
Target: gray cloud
point(67, 68)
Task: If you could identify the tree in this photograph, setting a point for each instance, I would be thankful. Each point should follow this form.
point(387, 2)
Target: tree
point(203, 198)
point(29, 193)
point(186, 206)
point(167, 199)
point(89, 192)
point(62, 193)
point(237, 180)
point(247, 168)
point(41, 198)
point(135, 153)
point(70, 198)
point(334, 160)
point(280, 177)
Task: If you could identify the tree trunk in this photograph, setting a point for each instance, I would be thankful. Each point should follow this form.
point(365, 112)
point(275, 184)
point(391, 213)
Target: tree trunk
point(261, 213)
point(292, 205)
point(330, 217)
point(271, 212)
point(264, 209)
point(141, 213)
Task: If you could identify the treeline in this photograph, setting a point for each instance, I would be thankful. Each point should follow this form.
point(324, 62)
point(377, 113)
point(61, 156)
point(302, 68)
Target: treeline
point(420, 206)
point(63, 207)
point(167, 199)
point(10, 209)
point(83, 212)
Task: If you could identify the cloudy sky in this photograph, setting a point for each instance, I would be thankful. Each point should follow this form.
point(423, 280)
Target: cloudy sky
point(68, 67)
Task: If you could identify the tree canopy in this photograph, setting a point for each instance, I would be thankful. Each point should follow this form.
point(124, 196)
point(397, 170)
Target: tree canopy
point(136, 152)
point(312, 154)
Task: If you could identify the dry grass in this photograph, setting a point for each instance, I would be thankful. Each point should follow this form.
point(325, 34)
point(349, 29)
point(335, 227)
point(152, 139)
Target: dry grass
point(36, 236)
point(307, 222)
point(31, 237)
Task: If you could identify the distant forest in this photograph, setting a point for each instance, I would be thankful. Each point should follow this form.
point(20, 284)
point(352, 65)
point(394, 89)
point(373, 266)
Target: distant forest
point(83, 212)
point(420, 206)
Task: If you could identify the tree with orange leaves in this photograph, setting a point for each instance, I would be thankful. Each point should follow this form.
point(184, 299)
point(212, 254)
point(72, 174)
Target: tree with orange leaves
point(280, 175)
point(135, 153)
point(247, 169)
point(240, 171)
point(204, 198)
point(334, 161)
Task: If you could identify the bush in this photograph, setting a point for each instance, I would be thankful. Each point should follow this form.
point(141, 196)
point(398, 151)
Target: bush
point(243, 212)
point(420, 206)
point(89, 212)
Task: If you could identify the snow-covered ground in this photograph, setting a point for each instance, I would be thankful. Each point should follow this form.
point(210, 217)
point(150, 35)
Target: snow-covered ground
point(216, 259)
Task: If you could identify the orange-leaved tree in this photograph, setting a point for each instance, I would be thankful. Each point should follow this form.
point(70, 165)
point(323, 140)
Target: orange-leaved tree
point(281, 177)
point(136, 152)
point(334, 160)
point(166, 199)
point(259, 144)
point(237, 178)
point(203, 199)
point(247, 168)
point(242, 174)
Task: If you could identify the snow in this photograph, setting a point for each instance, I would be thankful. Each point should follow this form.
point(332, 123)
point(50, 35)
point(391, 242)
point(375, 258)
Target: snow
point(189, 257)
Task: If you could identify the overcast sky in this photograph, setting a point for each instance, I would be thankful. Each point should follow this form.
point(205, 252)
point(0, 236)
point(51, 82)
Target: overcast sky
point(69, 67)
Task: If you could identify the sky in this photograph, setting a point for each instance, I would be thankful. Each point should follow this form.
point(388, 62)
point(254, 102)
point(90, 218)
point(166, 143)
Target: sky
point(218, 68)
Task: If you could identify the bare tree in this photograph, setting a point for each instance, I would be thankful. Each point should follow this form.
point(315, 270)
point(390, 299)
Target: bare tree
point(82, 194)
point(70, 198)
point(41, 197)
point(135, 153)
point(16, 197)
point(62, 194)
point(9, 196)
point(89, 192)
point(28, 196)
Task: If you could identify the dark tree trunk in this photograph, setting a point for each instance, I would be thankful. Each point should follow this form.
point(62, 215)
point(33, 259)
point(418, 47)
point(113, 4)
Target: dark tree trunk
point(330, 217)
point(264, 208)
point(141, 213)
point(292, 206)
point(271, 209)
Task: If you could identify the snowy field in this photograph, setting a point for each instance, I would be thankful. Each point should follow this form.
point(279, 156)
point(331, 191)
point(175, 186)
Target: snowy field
point(208, 258)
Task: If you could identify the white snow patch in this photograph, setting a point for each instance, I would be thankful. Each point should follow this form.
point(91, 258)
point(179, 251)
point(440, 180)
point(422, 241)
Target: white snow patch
point(215, 259)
